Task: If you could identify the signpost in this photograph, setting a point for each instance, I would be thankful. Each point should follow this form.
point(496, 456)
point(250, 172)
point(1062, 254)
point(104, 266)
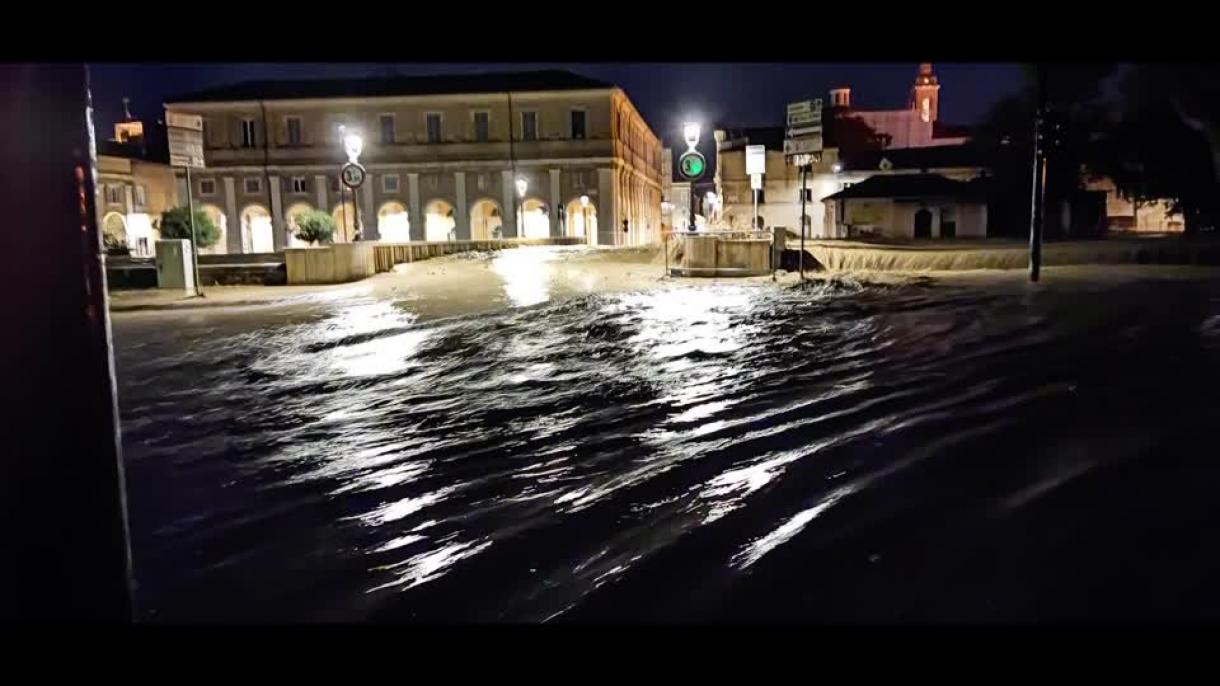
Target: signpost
point(352, 174)
point(185, 133)
point(691, 166)
point(803, 147)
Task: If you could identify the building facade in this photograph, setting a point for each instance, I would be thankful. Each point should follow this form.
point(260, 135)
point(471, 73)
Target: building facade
point(444, 156)
point(134, 186)
point(917, 126)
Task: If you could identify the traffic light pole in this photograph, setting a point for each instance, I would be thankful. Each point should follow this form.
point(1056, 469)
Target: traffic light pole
point(1038, 201)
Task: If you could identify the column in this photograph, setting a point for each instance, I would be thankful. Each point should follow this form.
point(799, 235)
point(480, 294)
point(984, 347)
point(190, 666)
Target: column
point(510, 205)
point(556, 204)
point(279, 236)
point(319, 189)
point(462, 225)
point(368, 213)
point(607, 207)
point(233, 242)
point(414, 217)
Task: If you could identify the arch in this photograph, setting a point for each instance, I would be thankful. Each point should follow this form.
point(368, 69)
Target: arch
point(256, 229)
point(221, 222)
point(582, 221)
point(114, 228)
point(923, 223)
point(439, 221)
point(486, 220)
point(290, 224)
point(533, 219)
point(393, 224)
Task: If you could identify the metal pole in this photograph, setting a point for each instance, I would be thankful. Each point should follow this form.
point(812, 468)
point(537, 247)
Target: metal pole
point(692, 226)
point(190, 208)
point(342, 203)
point(356, 233)
point(804, 220)
point(665, 247)
point(756, 227)
point(1038, 201)
point(512, 163)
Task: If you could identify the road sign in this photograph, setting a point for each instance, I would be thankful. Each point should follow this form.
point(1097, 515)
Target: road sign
point(185, 147)
point(805, 113)
point(800, 146)
point(692, 164)
point(352, 175)
point(177, 120)
point(756, 183)
point(805, 131)
point(756, 159)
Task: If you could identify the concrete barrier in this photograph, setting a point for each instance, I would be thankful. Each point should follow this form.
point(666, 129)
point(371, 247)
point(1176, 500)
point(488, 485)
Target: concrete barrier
point(338, 263)
point(724, 255)
point(386, 255)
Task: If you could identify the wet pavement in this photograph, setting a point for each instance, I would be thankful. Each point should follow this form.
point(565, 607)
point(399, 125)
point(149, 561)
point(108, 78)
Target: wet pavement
point(557, 440)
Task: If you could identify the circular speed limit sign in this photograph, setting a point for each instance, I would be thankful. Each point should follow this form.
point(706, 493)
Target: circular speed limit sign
point(691, 164)
point(352, 175)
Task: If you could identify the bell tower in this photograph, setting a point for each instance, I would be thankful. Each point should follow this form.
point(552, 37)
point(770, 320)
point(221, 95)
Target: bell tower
point(924, 94)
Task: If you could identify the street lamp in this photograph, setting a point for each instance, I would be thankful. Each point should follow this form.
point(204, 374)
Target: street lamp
point(584, 216)
point(836, 167)
point(353, 145)
point(690, 131)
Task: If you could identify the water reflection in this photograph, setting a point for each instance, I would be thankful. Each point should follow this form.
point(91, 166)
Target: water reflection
point(635, 455)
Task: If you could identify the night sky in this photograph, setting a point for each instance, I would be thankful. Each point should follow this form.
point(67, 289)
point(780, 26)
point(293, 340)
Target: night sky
point(731, 94)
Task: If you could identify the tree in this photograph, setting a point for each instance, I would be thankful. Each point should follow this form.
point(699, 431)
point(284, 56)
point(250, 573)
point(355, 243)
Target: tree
point(176, 223)
point(314, 226)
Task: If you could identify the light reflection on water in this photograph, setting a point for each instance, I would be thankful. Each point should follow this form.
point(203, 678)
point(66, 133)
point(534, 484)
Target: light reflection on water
point(606, 456)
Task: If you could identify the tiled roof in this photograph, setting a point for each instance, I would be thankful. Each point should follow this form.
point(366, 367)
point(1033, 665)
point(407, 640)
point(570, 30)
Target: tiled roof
point(912, 186)
point(934, 157)
point(290, 89)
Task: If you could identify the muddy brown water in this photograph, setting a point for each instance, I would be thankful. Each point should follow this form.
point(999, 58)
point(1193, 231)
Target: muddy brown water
point(977, 451)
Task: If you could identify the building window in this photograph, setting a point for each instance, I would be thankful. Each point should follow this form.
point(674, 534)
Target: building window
point(529, 126)
point(114, 194)
point(481, 181)
point(207, 134)
point(387, 128)
point(247, 133)
point(141, 196)
point(254, 185)
point(481, 124)
point(389, 183)
point(294, 130)
point(298, 184)
point(434, 127)
point(207, 187)
point(578, 124)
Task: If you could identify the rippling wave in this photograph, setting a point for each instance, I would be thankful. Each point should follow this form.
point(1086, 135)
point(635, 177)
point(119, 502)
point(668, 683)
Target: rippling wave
point(835, 452)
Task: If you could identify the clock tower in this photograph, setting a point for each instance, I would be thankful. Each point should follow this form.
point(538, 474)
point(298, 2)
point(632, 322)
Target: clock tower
point(924, 93)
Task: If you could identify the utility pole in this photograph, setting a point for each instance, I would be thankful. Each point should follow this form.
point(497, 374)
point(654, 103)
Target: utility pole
point(1038, 201)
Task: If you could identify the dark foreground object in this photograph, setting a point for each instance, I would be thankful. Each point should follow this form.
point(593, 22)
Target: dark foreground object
point(61, 498)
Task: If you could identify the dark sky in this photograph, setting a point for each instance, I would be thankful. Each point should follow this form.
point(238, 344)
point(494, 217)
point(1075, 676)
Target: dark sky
point(751, 94)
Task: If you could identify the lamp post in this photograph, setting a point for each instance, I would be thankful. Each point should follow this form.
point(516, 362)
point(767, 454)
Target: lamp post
point(667, 209)
point(353, 145)
point(522, 186)
point(690, 132)
point(584, 216)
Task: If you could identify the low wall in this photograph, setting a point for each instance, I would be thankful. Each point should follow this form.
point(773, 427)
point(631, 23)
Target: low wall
point(386, 255)
point(720, 256)
point(338, 263)
point(1010, 254)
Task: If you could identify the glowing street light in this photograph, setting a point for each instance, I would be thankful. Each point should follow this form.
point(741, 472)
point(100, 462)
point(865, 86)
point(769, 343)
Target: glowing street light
point(522, 186)
point(836, 167)
point(690, 131)
point(584, 215)
point(353, 145)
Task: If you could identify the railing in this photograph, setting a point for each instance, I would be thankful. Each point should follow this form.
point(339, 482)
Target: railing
point(386, 255)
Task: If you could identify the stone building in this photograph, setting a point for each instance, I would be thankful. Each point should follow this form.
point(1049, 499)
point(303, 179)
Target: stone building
point(908, 206)
point(134, 186)
point(917, 126)
point(442, 163)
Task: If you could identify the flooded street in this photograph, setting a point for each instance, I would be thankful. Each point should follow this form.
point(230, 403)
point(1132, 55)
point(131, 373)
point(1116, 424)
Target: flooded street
point(554, 442)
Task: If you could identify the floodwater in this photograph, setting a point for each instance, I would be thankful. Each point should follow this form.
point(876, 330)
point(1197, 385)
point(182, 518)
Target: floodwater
point(955, 451)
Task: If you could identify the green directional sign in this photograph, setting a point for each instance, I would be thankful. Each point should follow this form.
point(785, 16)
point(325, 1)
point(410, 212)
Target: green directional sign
point(691, 164)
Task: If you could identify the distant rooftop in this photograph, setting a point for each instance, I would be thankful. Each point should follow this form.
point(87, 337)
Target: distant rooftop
point(913, 186)
point(293, 89)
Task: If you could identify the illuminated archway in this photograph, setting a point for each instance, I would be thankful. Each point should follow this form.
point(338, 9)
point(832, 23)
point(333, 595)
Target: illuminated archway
point(392, 223)
point(438, 221)
point(582, 221)
point(114, 229)
point(344, 215)
point(256, 230)
point(290, 222)
point(221, 222)
point(485, 220)
point(533, 219)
